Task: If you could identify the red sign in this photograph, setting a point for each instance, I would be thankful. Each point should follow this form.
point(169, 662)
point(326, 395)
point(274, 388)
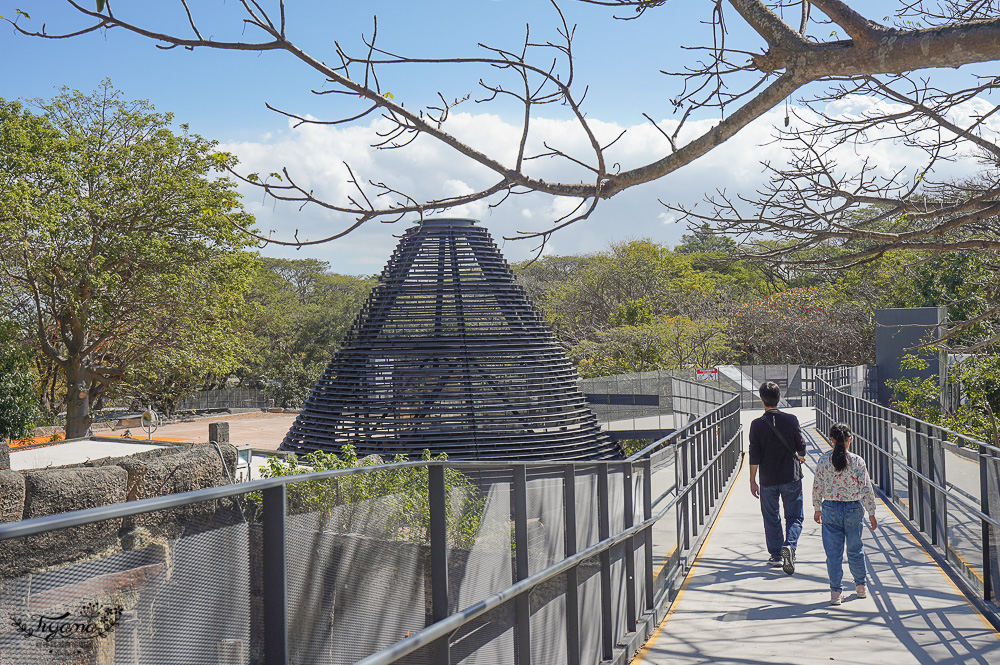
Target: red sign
point(710, 374)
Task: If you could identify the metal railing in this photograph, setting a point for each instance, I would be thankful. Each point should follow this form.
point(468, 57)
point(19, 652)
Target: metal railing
point(592, 553)
point(945, 483)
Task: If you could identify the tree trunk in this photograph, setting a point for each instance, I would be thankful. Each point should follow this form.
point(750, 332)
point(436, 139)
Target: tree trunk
point(78, 418)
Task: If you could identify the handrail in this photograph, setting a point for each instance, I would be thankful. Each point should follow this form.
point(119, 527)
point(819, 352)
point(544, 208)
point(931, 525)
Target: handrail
point(459, 619)
point(656, 445)
point(696, 486)
point(703, 385)
point(960, 497)
point(888, 409)
point(924, 468)
point(445, 626)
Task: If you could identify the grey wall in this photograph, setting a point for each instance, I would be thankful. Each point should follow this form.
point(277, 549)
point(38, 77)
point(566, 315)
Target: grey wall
point(897, 331)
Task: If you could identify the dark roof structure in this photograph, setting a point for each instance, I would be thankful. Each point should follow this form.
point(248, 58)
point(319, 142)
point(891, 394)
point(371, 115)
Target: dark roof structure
point(449, 355)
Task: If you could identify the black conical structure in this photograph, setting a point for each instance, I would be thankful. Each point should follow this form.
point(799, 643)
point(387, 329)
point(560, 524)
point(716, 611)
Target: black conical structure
point(449, 355)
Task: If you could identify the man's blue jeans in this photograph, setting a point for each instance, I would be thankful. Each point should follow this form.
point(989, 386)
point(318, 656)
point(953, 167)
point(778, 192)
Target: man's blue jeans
point(842, 524)
point(791, 499)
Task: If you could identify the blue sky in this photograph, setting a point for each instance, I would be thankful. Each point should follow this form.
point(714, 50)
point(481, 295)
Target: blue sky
point(221, 95)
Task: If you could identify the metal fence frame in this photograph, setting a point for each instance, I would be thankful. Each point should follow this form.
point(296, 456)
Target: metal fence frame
point(706, 454)
point(843, 397)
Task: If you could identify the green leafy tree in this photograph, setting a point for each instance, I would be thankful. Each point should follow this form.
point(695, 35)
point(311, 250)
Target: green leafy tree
point(803, 325)
point(18, 386)
point(665, 343)
point(704, 240)
point(629, 272)
point(301, 313)
point(975, 416)
point(345, 502)
point(123, 238)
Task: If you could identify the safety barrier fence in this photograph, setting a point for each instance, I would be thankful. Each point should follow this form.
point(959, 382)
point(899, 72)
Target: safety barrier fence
point(414, 562)
point(946, 484)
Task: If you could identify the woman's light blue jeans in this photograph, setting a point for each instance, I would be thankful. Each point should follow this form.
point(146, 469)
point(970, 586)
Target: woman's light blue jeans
point(842, 525)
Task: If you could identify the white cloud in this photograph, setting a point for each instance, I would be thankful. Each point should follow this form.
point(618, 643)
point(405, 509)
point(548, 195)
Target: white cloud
point(315, 157)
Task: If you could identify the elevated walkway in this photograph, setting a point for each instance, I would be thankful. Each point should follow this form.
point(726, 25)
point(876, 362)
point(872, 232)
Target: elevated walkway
point(734, 610)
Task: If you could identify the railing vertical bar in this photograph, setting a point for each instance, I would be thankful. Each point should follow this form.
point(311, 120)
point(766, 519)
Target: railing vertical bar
point(437, 501)
point(685, 507)
point(522, 628)
point(647, 512)
point(274, 570)
point(572, 575)
point(604, 531)
point(989, 572)
point(934, 473)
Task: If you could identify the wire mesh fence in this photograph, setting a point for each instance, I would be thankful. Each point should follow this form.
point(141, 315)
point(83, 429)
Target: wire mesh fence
point(424, 562)
point(943, 483)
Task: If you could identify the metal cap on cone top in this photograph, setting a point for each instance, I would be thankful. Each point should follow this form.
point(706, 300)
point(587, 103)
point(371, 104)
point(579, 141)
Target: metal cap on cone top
point(448, 355)
point(446, 221)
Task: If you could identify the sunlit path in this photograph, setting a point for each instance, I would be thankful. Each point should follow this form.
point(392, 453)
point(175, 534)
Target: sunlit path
point(735, 610)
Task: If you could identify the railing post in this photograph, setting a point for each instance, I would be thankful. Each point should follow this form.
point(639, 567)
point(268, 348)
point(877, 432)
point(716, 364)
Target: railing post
point(274, 566)
point(991, 571)
point(647, 512)
point(603, 532)
point(684, 512)
point(917, 498)
point(936, 472)
point(630, 603)
point(438, 504)
point(572, 575)
point(701, 454)
point(519, 507)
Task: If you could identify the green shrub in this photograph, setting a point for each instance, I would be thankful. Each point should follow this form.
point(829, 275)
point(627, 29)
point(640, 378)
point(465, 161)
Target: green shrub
point(399, 497)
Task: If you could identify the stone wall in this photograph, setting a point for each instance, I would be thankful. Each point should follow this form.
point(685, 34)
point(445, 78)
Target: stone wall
point(54, 490)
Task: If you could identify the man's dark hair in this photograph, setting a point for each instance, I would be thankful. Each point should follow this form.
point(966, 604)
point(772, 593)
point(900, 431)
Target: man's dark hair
point(770, 393)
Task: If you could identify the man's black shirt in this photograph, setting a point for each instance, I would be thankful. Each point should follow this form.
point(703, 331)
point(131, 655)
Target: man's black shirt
point(775, 462)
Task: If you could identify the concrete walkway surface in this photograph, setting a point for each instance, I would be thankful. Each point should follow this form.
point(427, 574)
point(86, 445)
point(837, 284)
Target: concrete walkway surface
point(735, 610)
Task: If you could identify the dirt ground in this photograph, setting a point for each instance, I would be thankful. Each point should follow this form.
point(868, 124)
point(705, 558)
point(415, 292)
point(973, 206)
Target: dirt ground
point(260, 430)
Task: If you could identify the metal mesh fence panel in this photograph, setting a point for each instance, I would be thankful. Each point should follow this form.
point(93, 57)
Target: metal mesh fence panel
point(590, 610)
point(664, 489)
point(589, 578)
point(486, 569)
point(546, 546)
point(224, 398)
point(964, 528)
point(129, 600)
point(993, 497)
point(487, 640)
point(900, 474)
point(357, 565)
point(638, 549)
point(616, 506)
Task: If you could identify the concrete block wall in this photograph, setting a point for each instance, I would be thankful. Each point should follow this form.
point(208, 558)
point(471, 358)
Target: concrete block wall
point(29, 494)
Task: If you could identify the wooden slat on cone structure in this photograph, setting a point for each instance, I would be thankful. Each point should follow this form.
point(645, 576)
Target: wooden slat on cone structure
point(449, 355)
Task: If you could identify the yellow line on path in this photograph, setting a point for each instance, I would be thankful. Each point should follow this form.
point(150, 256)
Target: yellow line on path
point(905, 529)
point(644, 651)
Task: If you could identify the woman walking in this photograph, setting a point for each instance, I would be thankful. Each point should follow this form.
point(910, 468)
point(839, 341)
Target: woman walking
point(842, 492)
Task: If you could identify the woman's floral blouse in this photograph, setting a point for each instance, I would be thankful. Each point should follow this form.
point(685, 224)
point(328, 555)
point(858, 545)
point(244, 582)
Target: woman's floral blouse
point(851, 484)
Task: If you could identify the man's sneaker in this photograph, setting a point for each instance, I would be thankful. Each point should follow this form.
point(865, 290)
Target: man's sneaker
point(774, 561)
point(862, 590)
point(788, 559)
point(835, 598)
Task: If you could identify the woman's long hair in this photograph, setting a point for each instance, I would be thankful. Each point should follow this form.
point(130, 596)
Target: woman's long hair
point(840, 433)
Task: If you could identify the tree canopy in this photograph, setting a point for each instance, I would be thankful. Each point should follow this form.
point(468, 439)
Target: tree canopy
point(301, 311)
point(119, 245)
point(18, 386)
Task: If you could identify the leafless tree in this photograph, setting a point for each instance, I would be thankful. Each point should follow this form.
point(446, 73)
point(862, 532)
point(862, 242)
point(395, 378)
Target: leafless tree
point(774, 59)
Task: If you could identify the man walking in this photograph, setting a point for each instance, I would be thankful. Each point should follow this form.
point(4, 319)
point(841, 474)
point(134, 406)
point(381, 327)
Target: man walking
point(777, 450)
